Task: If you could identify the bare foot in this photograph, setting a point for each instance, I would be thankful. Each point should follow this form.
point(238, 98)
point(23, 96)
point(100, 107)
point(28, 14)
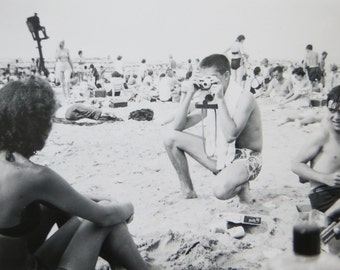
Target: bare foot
point(190, 195)
point(244, 193)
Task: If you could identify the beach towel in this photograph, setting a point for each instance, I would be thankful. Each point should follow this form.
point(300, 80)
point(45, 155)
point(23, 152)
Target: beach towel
point(216, 145)
point(84, 121)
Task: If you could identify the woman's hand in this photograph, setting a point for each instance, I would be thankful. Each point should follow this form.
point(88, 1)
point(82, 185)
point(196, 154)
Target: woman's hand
point(123, 212)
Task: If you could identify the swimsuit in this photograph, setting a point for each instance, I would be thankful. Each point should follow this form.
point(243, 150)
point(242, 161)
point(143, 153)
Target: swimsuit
point(323, 197)
point(235, 63)
point(253, 161)
point(30, 218)
point(314, 73)
point(253, 87)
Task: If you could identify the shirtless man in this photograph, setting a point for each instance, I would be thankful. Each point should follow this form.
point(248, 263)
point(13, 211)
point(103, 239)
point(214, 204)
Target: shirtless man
point(312, 65)
point(322, 152)
point(279, 84)
point(238, 123)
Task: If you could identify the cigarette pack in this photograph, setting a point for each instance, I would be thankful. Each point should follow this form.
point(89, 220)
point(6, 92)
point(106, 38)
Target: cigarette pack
point(243, 219)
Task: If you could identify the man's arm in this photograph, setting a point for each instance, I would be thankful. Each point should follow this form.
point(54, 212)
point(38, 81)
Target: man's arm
point(307, 153)
point(232, 127)
point(269, 89)
point(182, 119)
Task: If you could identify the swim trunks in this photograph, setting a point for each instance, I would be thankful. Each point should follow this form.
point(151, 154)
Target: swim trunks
point(235, 63)
point(323, 197)
point(252, 161)
point(314, 74)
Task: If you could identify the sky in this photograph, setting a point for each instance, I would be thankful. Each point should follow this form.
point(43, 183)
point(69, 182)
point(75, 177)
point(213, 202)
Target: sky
point(154, 29)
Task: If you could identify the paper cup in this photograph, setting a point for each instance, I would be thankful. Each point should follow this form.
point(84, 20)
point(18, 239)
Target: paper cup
point(236, 232)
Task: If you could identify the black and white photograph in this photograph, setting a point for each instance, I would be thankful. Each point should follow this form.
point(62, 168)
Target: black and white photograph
point(169, 135)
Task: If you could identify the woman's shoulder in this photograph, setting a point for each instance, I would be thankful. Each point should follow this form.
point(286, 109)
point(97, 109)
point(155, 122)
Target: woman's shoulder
point(27, 169)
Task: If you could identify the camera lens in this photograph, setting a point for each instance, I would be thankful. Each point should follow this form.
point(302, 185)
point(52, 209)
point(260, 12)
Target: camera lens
point(209, 97)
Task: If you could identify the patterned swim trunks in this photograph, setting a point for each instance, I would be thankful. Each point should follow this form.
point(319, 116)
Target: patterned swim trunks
point(253, 161)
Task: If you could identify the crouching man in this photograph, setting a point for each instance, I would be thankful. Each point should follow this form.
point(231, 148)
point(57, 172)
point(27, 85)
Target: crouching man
point(231, 141)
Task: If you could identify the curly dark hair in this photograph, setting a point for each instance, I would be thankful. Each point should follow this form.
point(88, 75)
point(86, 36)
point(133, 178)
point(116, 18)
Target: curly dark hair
point(26, 111)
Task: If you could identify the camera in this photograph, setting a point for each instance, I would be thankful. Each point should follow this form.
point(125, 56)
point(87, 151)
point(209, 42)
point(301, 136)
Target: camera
point(204, 84)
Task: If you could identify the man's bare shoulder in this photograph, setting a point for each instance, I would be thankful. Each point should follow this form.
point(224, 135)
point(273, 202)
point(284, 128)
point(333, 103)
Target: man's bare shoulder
point(248, 100)
point(321, 135)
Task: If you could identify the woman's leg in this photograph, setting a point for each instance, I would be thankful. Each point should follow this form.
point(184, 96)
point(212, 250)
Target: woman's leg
point(120, 249)
point(51, 251)
point(62, 82)
point(89, 240)
point(67, 79)
point(48, 218)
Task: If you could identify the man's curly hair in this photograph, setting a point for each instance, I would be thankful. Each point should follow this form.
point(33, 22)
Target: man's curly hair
point(26, 111)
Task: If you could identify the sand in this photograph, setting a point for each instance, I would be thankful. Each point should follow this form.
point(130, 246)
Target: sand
point(127, 161)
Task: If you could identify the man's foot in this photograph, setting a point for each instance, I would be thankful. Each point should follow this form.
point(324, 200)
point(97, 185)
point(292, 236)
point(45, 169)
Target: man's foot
point(244, 193)
point(190, 195)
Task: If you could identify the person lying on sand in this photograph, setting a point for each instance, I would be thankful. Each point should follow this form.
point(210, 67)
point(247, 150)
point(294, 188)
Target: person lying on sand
point(238, 124)
point(322, 152)
point(33, 197)
point(79, 111)
point(303, 118)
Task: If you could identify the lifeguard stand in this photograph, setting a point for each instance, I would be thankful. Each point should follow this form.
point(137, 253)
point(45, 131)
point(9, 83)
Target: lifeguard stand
point(33, 24)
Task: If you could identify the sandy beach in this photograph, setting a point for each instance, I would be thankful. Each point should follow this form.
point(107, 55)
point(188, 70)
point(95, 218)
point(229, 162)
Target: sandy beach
point(126, 160)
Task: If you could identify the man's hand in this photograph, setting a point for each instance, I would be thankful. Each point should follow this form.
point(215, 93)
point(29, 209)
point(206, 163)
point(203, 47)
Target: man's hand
point(333, 213)
point(333, 179)
point(217, 90)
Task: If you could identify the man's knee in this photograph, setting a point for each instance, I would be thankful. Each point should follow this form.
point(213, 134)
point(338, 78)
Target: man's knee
point(224, 192)
point(169, 139)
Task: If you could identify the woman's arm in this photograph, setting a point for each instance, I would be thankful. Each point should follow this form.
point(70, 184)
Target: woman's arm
point(53, 189)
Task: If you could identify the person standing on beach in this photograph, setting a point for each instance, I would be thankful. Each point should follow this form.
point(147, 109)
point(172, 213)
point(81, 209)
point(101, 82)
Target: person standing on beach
point(172, 63)
point(233, 154)
point(119, 65)
point(312, 65)
point(318, 161)
point(238, 56)
point(80, 67)
point(64, 68)
point(266, 72)
point(323, 68)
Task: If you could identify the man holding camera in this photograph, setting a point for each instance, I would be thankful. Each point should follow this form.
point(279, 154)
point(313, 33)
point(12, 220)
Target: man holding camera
point(234, 157)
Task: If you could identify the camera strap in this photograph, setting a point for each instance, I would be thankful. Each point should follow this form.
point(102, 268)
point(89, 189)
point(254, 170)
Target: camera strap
point(204, 135)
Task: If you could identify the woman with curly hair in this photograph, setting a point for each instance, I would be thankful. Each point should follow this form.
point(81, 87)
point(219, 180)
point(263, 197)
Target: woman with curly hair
point(33, 197)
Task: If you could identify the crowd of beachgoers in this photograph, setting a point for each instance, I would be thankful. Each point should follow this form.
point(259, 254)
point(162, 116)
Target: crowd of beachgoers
point(285, 91)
